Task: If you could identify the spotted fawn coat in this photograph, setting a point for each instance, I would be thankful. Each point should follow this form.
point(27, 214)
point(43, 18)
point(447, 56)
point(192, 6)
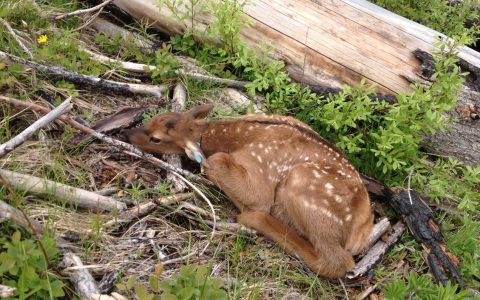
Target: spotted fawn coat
point(288, 183)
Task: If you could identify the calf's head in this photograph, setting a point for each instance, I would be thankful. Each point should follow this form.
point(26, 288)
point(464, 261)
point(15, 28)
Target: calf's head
point(172, 133)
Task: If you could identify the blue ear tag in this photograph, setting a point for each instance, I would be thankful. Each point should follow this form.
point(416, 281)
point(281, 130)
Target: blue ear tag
point(198, 157)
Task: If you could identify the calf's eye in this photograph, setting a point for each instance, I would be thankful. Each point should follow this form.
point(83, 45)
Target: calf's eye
point(154, 140)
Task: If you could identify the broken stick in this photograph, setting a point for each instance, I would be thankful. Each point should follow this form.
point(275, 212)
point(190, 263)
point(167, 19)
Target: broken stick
point(30, 130)
point(74, 196)
point(375, 254)
point(142, 68)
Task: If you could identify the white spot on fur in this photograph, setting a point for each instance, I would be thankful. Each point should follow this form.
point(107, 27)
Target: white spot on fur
point(338, 199)
point(330, 215)
point(238, 130)
point(316, 174)
point(260, 145)
point(348, 217)
point(224, 130)
point(329, 186)
point(347, 209)
point(259, 158)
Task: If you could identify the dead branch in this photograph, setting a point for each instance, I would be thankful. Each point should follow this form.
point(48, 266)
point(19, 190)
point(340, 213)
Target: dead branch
point(84, 11)
point(421, 222)
point(73, 196)
point(14, 35)
point(89, 80)
point(142, 68)
point(30, 130)
point(375, 254)
point(85, 286)
point(144, 209)
point(6, 291)
point(126, 148)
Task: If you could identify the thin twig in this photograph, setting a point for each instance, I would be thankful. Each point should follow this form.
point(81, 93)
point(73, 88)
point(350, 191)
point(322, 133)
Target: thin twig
point(344, 288)
point(14, 35)
point(84, 11)
point(409, 185)
point(90, 20)
point(30, 130)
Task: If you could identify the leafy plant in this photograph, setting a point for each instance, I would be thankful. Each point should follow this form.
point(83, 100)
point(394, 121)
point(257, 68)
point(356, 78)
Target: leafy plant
point(23, 265)
point(166, 65)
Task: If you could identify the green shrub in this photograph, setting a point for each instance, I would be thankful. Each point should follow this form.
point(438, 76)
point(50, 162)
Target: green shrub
point(23, 265)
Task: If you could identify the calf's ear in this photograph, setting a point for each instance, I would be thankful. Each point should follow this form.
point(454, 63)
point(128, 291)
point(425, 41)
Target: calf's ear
point(200, 111)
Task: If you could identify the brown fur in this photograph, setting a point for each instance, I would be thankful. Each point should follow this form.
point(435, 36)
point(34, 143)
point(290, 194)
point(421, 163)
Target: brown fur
point(288, 183)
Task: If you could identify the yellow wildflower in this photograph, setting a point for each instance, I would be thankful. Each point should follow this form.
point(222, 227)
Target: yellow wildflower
point(42, 39)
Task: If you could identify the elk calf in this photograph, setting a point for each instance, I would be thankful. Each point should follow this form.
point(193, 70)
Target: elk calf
point(288, 183)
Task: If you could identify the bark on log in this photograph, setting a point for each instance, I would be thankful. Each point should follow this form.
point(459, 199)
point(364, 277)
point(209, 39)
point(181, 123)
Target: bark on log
point(462, 138)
